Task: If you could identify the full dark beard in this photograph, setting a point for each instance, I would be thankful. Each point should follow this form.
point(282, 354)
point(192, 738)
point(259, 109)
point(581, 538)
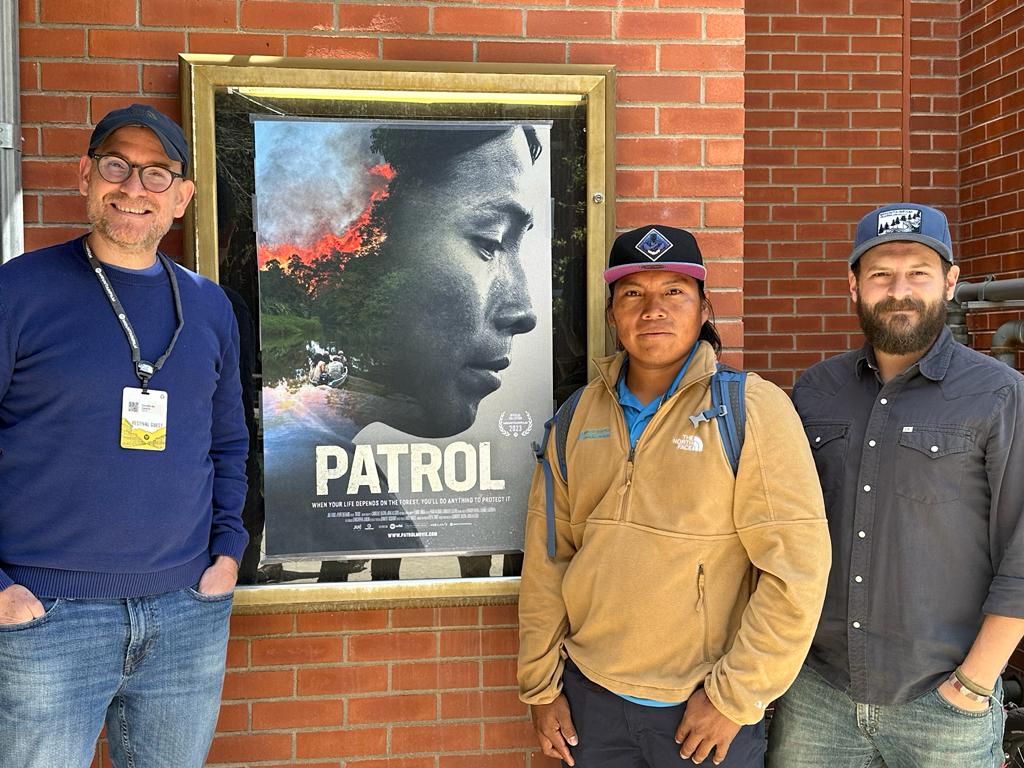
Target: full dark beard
point(899, 335)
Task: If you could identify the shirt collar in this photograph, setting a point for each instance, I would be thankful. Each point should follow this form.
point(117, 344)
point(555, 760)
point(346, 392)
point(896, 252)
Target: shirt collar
point(626, 396)
point(933, 364)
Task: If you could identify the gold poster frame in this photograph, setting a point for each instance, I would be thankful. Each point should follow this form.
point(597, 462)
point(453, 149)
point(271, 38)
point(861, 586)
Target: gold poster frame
point(202, 76)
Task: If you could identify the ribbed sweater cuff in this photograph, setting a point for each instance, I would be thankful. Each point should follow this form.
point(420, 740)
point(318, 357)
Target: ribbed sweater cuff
point(229, 543)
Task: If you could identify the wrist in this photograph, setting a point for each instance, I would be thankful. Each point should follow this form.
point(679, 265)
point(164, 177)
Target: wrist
point(964, 692)
point(225, 562)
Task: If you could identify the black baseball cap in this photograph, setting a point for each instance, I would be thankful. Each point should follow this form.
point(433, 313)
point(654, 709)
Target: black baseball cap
point(655, 247)
point(169, 132)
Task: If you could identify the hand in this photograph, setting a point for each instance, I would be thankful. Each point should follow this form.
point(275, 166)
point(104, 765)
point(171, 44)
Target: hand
point(958, 700)
point(18, 605)
point(704, 728)
point(219, 578)
point(554, 728)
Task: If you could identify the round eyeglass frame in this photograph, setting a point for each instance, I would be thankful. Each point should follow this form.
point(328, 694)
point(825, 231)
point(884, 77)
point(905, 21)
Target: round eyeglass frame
point(138, 169)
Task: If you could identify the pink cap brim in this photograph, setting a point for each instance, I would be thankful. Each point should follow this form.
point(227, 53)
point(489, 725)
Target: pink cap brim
point(696, 271)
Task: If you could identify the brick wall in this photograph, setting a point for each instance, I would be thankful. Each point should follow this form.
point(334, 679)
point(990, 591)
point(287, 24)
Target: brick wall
point(829, 96)
point(409, 688)
point(992, 150)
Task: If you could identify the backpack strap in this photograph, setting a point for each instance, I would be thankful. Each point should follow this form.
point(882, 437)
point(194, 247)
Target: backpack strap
point(728, 405)
point(561, 420)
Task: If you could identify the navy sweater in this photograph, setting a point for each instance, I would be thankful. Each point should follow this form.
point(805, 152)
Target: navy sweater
point(79, 515)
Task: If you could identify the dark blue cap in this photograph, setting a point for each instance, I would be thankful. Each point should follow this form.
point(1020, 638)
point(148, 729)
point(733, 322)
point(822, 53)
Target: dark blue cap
point(169, 132)
point(904, 222)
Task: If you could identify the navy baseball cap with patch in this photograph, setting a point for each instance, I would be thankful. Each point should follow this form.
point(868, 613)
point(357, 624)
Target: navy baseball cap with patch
point(169, 132)
point(655, 247)
point(904, 222)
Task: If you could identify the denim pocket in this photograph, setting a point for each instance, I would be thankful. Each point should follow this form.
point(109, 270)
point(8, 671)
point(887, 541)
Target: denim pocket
point(198, 596)
point(50, 604)
point(962, 712)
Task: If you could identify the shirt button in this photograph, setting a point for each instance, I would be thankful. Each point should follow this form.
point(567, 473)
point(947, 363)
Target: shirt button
point(856, 625)
point(867, 489)
point(871, 443)
point(858, 579)
point(861, 534)
point(817, 439)
point(935, 449)
point(884, 401)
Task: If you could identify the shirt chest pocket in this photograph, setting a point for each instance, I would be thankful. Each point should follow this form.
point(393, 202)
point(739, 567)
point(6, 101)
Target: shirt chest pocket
point(829, 442)
point(929, 464)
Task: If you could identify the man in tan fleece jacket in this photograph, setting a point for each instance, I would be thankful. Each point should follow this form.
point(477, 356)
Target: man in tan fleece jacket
point(681, 597)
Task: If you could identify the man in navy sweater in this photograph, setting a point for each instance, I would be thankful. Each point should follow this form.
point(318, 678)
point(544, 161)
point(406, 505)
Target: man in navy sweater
point(122, 474)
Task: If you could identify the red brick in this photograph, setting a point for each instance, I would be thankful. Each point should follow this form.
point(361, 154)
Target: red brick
point(194, 13)
point(384, 18)
point(725, 26)
point(68, 142)
point(273, 624)
point(659, 88)
point(51, 42)
point(101, 105)
point(278, 715)
point(41, 237)
point(342, 621)
point(263, 746)
point(478, 21)
point(392, 762)
point(233, 717)
point(634, 183)
point(541, 53)
point(44, 108)
point(474, 705)
point(64, 208)
point(295, 650)
point(499, 673)
point(392, 647)
point(392, 709)
point(42, 174)
point(628, 214)
point(436, 738)
point(68, 76)
point(235, 43)
point(724, 151)
point(428, 50)
point(509, 735)
point(435, 676)
point(257, 14)
point(493, 760)
point(135, 45)
point(723, 89)
point(332, 47)
point(700, 57)
point(657, 151)
point(342, 743)
point(627, 57)
point(246, 685)
point(574, 23)
point(159, 79)
point(658, 25)
point(699, 120)
point(89, 12)
point(320, 681)
point(634, 120)
point(492, 615)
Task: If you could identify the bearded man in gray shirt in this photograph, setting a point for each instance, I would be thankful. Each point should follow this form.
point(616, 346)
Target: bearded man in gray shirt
point(919, 445)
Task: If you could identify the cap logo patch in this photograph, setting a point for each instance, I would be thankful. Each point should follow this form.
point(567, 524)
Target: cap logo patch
point(899, 221)
point(654, 245)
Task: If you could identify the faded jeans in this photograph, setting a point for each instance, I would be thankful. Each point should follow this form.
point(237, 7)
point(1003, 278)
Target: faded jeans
point(816, 725)
point(152, 668)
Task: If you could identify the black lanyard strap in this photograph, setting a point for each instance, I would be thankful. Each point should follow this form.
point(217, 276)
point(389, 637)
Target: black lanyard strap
point(143, 369)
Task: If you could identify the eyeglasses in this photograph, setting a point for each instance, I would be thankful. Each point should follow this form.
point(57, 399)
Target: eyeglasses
point(116, 170)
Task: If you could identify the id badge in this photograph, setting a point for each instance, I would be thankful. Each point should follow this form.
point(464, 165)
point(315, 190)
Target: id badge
point(143, 419)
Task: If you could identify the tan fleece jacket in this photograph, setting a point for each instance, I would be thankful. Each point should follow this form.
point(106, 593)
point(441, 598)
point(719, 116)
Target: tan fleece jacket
point(670, 572)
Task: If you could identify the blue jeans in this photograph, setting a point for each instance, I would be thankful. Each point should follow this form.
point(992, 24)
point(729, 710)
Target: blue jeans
point(150, 667)
point(816, 725)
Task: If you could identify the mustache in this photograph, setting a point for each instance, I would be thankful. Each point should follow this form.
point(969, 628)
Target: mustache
point(898, 305)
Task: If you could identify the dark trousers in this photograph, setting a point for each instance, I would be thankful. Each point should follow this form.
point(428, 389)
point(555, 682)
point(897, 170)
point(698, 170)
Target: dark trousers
point(615, 733)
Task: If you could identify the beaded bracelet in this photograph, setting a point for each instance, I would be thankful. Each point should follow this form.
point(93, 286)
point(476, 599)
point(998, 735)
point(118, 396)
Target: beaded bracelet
point(970, 685)
point(966, 692)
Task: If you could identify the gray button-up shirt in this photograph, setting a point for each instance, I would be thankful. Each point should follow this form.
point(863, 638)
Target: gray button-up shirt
point(923, 479)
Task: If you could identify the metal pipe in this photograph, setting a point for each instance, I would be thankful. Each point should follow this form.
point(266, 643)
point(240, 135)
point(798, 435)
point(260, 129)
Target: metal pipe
point(990, 290)
point(1007, 339)
point(956, 319)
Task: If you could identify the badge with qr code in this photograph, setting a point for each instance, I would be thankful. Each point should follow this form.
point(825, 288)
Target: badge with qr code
point(144, 419)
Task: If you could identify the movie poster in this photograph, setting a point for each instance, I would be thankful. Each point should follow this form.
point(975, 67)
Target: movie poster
point(405, 313)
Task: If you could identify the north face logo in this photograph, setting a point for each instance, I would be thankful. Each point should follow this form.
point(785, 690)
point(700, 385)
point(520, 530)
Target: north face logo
point(690, 443)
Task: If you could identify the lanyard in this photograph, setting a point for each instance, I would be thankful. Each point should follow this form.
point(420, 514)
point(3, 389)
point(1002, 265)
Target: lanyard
point(143, 369)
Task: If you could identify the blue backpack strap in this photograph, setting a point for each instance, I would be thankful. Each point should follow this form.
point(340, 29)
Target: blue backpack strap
point(561, 420)
point(729, 407)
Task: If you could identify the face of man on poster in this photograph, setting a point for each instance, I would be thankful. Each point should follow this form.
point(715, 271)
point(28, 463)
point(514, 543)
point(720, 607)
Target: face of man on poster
point(456, 311)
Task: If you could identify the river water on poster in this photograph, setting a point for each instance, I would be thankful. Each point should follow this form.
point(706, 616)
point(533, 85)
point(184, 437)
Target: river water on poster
point(405, 294)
